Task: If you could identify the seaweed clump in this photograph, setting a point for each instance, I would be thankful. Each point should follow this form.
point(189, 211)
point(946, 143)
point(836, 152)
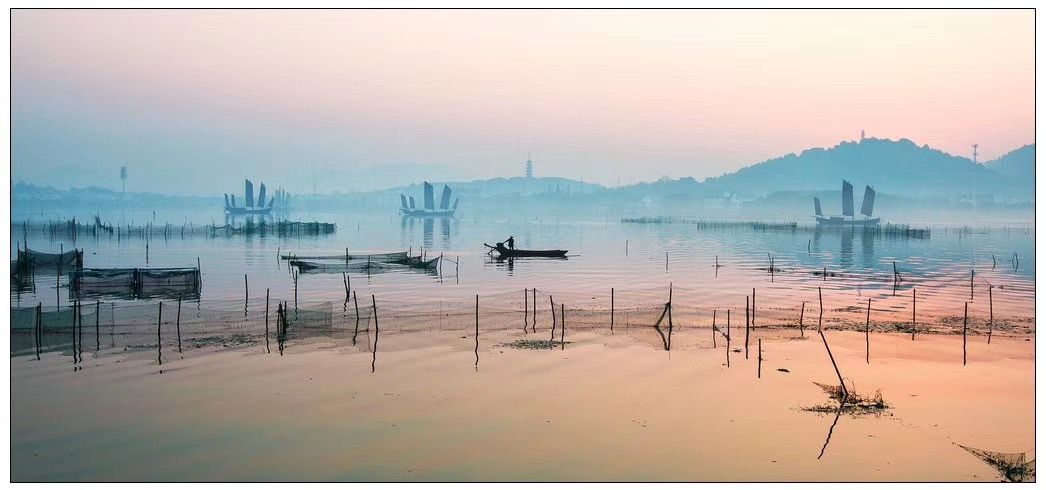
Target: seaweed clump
point(532, 344)
point(849, 401)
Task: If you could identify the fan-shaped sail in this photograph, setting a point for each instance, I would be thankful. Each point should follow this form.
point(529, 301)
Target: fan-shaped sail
point(444, 200)
point(429, 201)
point(848, 199)
point(817, 207)
point(869, 201)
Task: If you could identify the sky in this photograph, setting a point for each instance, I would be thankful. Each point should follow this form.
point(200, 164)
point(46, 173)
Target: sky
point(193, 101)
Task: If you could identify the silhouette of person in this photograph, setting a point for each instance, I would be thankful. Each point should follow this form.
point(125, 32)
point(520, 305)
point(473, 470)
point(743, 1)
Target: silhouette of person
point(511, 243)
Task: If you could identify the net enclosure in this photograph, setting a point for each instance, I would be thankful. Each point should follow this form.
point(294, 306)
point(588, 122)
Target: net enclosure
point(136, 283)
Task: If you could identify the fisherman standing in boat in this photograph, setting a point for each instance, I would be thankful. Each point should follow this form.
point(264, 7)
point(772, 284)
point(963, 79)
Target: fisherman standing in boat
point(511, 242)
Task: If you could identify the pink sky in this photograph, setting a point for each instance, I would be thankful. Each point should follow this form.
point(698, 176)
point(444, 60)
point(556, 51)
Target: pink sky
point(608, 96)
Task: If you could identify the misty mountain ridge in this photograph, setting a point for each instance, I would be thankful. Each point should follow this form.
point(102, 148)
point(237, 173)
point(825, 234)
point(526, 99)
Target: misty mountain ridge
point(896, 167)
point(1019, 163)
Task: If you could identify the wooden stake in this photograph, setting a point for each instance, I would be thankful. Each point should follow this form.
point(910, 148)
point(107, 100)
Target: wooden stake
point(159, 319)
point(867, 326)
point(965, 308)
point(759, 373)
point(552, 338)
point(802, 310)
point(267, 321)
point(753, 307)
point(913, 313)
point(356, 303)
point(991, 315)
point(747, 327)
point(713, 329)
point(611, 310)
point(178, 319)
point(563, 328)
point(820, 315)
point(477, 330)
point(842, 385)
point(526, 310)
point(374, 355)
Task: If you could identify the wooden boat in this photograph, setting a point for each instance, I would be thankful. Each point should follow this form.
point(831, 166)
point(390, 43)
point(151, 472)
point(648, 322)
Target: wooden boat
point(515, 252)
point(848, 219)
point(417, 262)
point(445, 209)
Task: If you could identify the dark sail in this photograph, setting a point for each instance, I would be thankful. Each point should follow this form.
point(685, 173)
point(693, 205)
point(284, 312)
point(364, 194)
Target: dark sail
point(869, 201)
point(429, 201)
point(403, 201)
point(248, 193)
point(261, 195)
point(226, 200)
point(817, 207)
point(411, 202)
point(272, 201)
point(444, 200)
point(848, 199)
point(456, 200)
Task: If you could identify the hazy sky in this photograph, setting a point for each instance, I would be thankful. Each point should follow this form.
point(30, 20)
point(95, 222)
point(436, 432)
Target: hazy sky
point(193, 101)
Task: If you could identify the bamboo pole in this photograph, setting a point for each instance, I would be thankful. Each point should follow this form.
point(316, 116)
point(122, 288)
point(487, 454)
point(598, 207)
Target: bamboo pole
point(913, 313)
point(374, 354)
point(747, 327)
point(842, 385)
point(552, 338)
point(753, 307)
point(965, 312)
point(867, 326)
point(759, 373)
point(178, 318)
point(714, 346)
point(477, 331)
point(820, 315)
point(563, 328)
point(267, 321)
point(991, 315)
point(356, 303)
point(802, 310)
point(611, 310)
point(159, 320)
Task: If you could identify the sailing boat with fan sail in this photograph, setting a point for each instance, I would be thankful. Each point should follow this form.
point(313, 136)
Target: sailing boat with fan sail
point(445, 209)
point(847, 218)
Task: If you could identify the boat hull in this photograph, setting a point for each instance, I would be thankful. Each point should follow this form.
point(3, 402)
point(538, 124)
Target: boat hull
point(246, 211)
point(423, 213)
point(841, 221)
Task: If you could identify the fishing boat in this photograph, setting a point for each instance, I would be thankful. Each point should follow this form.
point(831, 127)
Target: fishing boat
point(504, 252)
point(445, 210)
point(251, 207)
point(847, 218)
point(418, 262)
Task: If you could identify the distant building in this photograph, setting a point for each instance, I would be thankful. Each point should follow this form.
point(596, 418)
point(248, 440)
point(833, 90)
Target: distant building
point(528, 169)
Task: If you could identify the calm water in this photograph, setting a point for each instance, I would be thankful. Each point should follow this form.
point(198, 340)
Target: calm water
point(607, 407)
point(603, 255)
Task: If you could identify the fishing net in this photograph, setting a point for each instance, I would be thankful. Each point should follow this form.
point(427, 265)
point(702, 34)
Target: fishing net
point(380, 257)
point(72, 258)
point(135, 283)
point(1013, 466)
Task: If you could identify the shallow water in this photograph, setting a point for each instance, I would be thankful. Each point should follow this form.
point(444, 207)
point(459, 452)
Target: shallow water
point(859, 265)
point(444, 403)
point(602, 409)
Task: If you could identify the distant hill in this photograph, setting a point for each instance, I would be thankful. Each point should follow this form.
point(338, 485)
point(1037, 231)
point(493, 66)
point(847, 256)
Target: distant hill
point(1019, 164)
point(893, 167)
